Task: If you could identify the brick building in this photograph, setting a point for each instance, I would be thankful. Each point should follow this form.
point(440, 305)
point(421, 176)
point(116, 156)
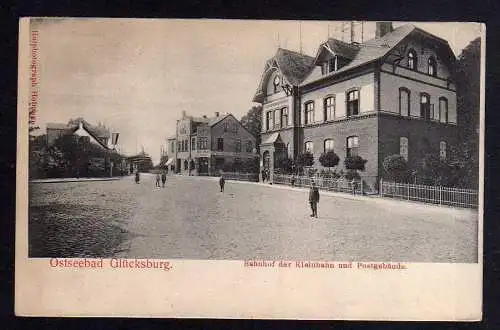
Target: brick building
point(390, 95)
point(205, 145)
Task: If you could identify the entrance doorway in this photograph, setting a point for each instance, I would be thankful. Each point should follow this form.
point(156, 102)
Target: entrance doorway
point(203, 166)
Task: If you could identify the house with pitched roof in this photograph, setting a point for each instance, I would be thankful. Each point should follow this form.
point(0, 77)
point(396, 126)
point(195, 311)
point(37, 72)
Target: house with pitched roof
point(205, 145)
point(98, 135)
point(393, 94)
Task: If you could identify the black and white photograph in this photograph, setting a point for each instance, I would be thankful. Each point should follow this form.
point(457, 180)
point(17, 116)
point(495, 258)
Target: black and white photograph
point(256, 141)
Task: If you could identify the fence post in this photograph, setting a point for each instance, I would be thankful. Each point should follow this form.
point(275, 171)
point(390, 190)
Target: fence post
point(440, 194)
point(361, 186)
point(380, 187)
point(408, 190)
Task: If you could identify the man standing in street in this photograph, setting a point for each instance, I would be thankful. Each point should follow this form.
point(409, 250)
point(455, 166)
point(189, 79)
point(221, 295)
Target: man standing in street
point(163, 178)
point(314, 199)
point(222, 182)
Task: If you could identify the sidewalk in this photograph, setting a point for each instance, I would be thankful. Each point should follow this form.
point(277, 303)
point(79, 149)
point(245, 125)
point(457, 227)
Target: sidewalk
point(54, 180)
point(371, 198)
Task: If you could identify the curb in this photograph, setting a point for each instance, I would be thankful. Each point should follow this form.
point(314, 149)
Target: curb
point(74, 180)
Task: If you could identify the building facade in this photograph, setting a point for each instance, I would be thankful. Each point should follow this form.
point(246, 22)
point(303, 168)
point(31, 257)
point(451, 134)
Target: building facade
point(204, 146)
point(393, 94)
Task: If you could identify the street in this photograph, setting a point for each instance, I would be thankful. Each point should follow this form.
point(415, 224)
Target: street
point(191, 219)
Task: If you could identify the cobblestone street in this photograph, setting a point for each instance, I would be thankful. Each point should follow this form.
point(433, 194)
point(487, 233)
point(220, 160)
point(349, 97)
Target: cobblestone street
point(191, 219)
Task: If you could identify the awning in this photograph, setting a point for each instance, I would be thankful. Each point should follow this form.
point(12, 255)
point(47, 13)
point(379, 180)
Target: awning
point(170, 161)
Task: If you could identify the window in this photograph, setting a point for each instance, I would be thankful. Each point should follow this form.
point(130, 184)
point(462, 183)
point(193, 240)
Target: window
point(178, 145)
point(324, 68)
point(276, 84)
point(284, 117)
point(172, 147)
point(202, 143)
point(277, 119)
point(185, 164)
point(404, 102)
point(269, 123)
point(309, 146)
point(443, 109)
point(249, 147)
point(431, 66)
point(329, 145)
point(353, 103)
point(220, 144)
point(193, 143)
point(186, 145)
point(238, 145)
point(412, 59)
point(352, 146)
point(309, 113)
point(442, 150)
point(425, 106)
point(329, 108)
point(403, 147)
point(331, 64)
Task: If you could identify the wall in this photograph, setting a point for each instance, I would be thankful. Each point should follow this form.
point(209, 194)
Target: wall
point(366, 96)
point(389, 94)
point(366, 128)
point(391, 128)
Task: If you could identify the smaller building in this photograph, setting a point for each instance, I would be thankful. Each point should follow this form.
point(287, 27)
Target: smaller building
point(98, 135)
point(204, 146)
point(141, 162)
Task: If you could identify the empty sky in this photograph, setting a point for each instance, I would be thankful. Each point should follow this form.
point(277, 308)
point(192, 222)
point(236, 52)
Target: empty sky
point(136, 76)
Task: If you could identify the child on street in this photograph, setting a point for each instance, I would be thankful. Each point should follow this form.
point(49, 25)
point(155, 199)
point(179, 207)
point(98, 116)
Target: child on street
point(222, 182)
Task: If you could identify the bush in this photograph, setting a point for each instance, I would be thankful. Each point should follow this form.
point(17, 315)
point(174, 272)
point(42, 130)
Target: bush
point(305, 159)
point(355, 163)
point(329, 159)
point(396, 168)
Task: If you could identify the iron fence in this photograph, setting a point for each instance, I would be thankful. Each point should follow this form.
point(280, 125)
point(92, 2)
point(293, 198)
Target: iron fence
point(329, 184)
point(467, 198)
point(252, 177)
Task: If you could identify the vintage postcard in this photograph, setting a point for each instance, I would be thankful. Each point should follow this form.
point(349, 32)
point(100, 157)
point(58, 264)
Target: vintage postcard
point(250, 169)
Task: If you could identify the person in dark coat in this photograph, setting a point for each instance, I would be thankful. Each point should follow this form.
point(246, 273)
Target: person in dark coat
point(314, 199)
point(163, 178)
point(137, 177)
point(222, 182)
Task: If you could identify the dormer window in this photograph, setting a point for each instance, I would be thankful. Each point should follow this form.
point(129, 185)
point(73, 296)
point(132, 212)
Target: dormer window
point(412, 59)
point(329, 65)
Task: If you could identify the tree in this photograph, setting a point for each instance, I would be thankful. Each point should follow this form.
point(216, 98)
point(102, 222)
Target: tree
point(467, 74)
point(252, 121)
point(354, 164)
point(329, 159)
point(396, 168)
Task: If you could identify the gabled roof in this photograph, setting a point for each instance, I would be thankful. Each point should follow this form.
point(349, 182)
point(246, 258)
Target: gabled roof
point(58, 126)
point(340, 48)
point(368, 52)
point(293, 66)
point(90, 132)
point(214, 120)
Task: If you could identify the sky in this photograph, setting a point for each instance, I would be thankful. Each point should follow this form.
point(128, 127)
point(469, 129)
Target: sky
point(136, 76)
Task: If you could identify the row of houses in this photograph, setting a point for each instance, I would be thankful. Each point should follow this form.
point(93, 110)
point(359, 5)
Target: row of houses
point(393, 94)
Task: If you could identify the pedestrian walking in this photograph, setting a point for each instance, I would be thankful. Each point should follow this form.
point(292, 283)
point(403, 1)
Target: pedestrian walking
point(222, 182)
point(354, 184)
point(263, 173)
point(157, 179)
point(314, 199)
point(137, 177)
point(163, 179)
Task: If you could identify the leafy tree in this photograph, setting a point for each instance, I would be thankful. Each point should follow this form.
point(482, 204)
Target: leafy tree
point(396, 168)
point(329, 159)
point(354, 164)
point(252, 121)
point(251, 165)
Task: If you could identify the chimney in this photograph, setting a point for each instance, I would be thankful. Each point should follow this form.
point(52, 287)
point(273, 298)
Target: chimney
point(216, 114)
point(382, 28)
point(183, 114)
